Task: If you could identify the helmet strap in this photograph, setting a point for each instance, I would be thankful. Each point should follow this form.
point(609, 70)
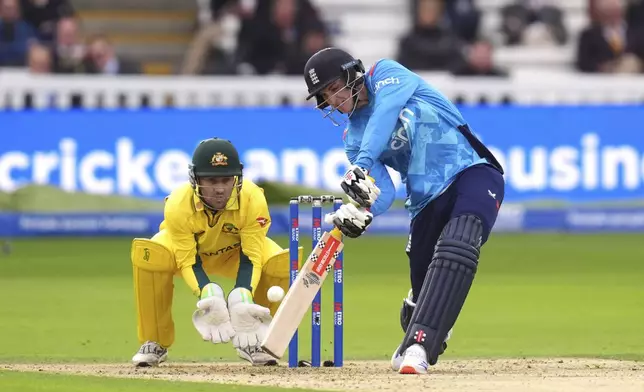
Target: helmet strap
point(355, 93)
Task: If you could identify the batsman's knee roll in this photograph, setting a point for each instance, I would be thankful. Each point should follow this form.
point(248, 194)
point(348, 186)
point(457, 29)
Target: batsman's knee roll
point(153, 269)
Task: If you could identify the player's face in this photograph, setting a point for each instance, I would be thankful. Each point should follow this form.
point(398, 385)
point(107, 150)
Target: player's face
point(338, 96)
point(216, 190)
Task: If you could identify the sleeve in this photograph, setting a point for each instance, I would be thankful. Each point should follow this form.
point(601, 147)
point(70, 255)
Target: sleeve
point(66, 9)
point(387, 189)
point(638, 41)
point(393, 87)
point(184, 247)
point(382, 179)
point(253, 237)
point(587, 60)
point(183, 239)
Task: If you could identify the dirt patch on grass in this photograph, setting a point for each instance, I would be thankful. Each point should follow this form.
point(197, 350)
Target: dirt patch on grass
point(499, 375)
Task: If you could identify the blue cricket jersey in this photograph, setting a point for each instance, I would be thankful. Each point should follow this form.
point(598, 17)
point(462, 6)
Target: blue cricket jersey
point(412, 128)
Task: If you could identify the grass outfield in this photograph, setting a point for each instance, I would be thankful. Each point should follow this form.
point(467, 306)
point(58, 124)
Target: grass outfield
point(550, 295)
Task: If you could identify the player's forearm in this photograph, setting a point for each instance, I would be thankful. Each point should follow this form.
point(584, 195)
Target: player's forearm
point(195, 279)
point(384, 201)
point(387, 195)
point(371, 149)
point(252, 252)
point(249, 272)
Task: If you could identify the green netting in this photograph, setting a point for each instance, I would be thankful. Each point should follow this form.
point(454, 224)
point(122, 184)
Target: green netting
point(38, 198)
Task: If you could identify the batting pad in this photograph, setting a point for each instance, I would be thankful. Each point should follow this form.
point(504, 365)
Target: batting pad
point(153, 268)
point(446, 286)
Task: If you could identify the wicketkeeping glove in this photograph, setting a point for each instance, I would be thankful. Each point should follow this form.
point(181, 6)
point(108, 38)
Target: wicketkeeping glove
point(360, 188)
point(351, 220)
point(211, 318)
point(249, 320)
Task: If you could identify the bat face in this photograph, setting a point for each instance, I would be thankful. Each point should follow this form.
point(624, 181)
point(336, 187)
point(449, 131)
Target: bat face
point(299, 297)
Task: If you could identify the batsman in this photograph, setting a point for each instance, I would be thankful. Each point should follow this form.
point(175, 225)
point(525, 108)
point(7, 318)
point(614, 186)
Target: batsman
point(454, 186)
point(215, 224)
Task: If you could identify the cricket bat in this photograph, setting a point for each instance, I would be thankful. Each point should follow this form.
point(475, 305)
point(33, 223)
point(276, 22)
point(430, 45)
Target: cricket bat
point(301, 293)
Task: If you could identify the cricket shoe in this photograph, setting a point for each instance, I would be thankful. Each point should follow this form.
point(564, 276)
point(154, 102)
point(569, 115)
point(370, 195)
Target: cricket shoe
point(150, 354)
point(414, 360)
point(397, 357)
point(256, 356)
point(396, 360)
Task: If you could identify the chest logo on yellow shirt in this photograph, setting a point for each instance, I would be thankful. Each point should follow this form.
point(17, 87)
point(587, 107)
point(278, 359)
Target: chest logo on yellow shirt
point(229, 228)
point(223, 250)
point(219, 159)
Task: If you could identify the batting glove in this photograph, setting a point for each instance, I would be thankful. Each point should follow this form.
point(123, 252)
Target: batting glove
point(351, 220)
point(360, 188)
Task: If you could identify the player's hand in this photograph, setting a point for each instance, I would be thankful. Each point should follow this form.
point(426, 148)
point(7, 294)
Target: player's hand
point(360, 188)
point(351, 220)
point(249, 320)
point(211, 318)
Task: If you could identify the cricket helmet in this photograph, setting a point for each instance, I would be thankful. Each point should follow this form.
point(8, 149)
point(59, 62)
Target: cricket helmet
point(215, 157)
point(327, 66)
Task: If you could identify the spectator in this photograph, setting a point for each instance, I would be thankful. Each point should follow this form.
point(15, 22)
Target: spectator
point(274, 39)
point(478, 61)
point(314, 40)
point(531, 22)
point(43, 15)
point(464, 18)
point(430, 45)
point(205, 54)
point(39, 62)
point(15, 35)
point(39, 59)
point(68, 49)
point(610, 45)
point(635, 13)
point(101, 59)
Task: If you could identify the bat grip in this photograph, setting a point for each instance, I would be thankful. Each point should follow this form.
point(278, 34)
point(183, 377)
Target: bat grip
point(336, 233)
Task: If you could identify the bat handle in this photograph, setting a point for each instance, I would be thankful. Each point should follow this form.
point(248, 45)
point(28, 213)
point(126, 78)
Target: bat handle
point(336, 233)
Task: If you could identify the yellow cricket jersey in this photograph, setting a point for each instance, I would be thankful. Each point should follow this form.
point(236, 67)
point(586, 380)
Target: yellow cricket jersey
point(199, 234)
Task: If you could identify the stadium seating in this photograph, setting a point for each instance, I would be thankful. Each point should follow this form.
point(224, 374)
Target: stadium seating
point(366, 27)
point(156, 33)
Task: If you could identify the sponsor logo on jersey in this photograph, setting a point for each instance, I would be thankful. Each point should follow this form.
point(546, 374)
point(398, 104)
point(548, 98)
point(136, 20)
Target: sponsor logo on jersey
point(222, 250)
point(385, 82)
point(262, 221)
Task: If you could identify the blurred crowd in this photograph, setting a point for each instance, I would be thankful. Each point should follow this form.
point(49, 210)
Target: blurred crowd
point(277, 37)
point(446, 35)
point(274, 37)
point(45, 37)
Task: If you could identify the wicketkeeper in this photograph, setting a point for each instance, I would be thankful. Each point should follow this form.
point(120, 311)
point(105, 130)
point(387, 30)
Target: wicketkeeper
point(215, 224)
